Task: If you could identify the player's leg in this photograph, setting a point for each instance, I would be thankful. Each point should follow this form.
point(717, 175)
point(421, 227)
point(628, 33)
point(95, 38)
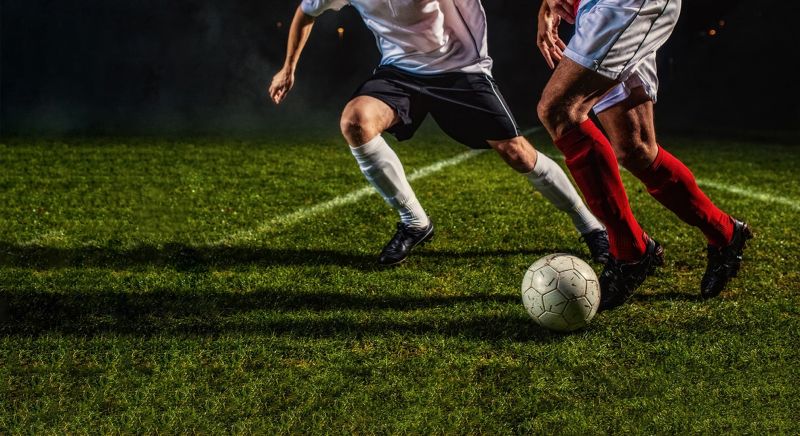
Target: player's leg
point(564, 109)
point(630, 126)
point(552, 182)
point(363, 121)
point(471, 110)
point(631, 129)
point(611, 38)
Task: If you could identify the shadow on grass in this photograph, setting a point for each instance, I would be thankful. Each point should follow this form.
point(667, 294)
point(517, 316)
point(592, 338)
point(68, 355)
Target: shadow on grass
point(199, 259)
point(476, 254)
point(278, 311)
point(263, 312)
point(176, 256)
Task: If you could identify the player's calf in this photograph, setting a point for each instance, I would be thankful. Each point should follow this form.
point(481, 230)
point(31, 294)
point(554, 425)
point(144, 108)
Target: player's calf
point(517, 152)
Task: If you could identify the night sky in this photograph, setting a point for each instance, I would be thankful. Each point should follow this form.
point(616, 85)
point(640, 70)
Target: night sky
point(109, 66)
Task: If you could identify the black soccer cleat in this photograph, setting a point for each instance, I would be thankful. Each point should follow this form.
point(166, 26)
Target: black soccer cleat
point(620, 280)
point(403, 241)
point(597, 241)
point(724, 263)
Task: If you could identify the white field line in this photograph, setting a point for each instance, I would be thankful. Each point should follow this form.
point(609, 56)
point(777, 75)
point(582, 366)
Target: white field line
point(349, 198)
point(749, 193)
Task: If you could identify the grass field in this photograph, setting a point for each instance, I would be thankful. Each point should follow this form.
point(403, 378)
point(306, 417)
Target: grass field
point(172, 285)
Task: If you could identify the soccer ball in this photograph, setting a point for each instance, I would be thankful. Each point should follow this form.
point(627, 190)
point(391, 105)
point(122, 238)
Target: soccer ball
point(561, 292)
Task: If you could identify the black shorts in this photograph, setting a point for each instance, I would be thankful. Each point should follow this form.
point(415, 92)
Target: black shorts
point(468, 107)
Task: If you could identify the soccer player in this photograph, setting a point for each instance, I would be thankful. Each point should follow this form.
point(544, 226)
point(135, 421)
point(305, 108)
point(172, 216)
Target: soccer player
point(434, 61)
point(609, 66)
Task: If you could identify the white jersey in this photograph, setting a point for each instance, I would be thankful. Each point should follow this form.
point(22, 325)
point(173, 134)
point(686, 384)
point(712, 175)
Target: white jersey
point(422, 36)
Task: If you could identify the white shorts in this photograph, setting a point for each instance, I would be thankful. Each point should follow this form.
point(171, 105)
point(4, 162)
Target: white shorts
point(619, 39)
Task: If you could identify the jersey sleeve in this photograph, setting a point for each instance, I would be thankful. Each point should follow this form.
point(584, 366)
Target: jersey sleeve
point(315, 8)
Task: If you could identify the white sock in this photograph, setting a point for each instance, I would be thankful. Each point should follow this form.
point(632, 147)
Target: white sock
point(383, 170)
point(552, 182)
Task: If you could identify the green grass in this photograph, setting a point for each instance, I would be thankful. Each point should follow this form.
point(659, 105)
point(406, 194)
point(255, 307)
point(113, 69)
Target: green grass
point(125, 313)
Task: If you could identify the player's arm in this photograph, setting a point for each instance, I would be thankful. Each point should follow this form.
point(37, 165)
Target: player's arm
point(547, 39)
point(283, 82)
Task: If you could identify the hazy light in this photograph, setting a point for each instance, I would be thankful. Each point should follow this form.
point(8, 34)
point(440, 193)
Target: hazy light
point(721, 23)
point(340, 31)
point(279, 24)
point(712, 32)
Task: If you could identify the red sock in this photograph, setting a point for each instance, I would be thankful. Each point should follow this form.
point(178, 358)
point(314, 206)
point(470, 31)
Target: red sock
point(593, 165)
point(673, 185)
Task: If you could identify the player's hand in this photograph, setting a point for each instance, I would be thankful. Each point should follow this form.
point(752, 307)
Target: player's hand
point(564, 9)
point(547, 39)
point(282, 83)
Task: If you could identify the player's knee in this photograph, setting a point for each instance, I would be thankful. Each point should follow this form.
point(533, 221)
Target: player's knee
point(557, 116)
point(635, 154)
point(356, 127)
point(517, 153)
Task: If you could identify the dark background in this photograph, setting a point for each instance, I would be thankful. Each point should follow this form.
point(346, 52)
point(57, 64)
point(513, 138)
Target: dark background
point(202, 66)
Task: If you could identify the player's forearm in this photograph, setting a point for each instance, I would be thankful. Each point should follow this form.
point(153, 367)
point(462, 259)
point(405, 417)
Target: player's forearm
point(298, 35)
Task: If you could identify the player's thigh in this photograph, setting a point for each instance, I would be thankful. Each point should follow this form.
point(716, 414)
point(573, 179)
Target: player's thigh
point(570, 94)
point(630, 127)
point(365, 111)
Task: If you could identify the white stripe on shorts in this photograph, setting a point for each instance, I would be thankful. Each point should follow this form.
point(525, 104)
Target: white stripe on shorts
point(502, 103)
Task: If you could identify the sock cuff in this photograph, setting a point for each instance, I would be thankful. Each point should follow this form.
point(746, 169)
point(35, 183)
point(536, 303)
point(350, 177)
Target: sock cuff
point(371, 147)
point(572, 142)
point(542, 166)
point(650, 174)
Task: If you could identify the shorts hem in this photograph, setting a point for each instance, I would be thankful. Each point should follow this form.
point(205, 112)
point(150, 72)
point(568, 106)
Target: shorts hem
point(618, 97)
point(591, 64)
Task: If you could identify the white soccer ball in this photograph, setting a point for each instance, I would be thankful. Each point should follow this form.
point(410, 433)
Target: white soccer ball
point(561, 292)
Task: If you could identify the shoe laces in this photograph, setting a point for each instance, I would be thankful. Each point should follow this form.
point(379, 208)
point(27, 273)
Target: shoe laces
point(616, 270)
point(593, 236)
point(400, 234)
point(598, 238)
point(714, 253)
point(612, 269)
point(721, 258)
